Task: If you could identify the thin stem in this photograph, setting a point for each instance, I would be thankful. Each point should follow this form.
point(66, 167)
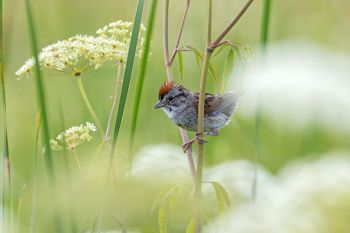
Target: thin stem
point(171, 60)
point(168, 67)
point(40, 91)
point(233, 23)
point(76, 158)
point(34, 174)
point(210, 3)
point(258, 117)
point(115, 101)
point(200, 130)
point(89, 106)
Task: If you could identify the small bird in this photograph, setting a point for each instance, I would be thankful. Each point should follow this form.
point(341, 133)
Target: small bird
point(181, 106)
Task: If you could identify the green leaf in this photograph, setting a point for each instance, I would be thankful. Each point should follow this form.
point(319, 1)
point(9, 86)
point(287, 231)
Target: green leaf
point(142, 74)
point(165, 201)
point(190, 227)
point(162, 219)
point(219, 50)
point(40, 93)
point(127, 74)
point(181, 64)
point(199, 58)
point(228, 67)
point(221, 196)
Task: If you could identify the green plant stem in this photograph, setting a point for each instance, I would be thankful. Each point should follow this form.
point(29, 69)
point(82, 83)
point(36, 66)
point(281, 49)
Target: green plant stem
point(209, 50)
point(258, 117)
point(6, 167)
point(90, 108)
point(142, 74)
point(115, 101)
point(127, 78)
point(40, 93)
point(233, 23)
point(168, 67)
point(171, 60)
point(200, 129)
point(34, 173)
point(265, 23)
point(76, 158)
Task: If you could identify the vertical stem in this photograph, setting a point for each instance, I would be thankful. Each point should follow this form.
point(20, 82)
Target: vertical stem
point(166, 40)
point(168, 67)
point(265, 23)
point(89, 106)
point(258, 117)
point(199, 172)
point(115, 101)
point(76, 158)
point(40, 93)
point(6, 167)
point(210, 2)
point(34, 173)
point(200, 130)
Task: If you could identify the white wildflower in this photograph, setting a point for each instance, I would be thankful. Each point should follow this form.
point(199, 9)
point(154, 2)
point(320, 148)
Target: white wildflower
point(166, 162)
point(298, 85)
point(81, 53)
point(73, 136)
point(313, 197)
point(121, 31)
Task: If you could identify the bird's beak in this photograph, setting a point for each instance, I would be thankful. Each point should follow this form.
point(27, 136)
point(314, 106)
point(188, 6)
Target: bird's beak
point(159, 104)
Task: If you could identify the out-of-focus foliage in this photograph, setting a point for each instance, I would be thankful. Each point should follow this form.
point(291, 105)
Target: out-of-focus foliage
point(302, 179)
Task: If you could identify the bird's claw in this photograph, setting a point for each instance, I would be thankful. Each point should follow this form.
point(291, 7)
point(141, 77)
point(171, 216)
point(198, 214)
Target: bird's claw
point(188, 145)
point(199, 138)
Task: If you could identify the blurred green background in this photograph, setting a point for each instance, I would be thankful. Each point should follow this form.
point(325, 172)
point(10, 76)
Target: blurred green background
point(324, 22)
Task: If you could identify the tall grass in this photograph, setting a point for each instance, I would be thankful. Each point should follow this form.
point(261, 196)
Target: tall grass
point(258, 118)
point(40, 92)
point(143, 69)
point(127, 75)
point(6, 166)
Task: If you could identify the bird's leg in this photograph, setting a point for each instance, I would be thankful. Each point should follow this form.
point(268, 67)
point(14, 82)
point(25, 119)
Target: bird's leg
point(198, 139)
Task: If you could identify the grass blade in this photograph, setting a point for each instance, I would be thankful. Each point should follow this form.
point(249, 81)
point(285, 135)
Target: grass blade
point(127, 74)
point(258, 117)
point(181, 65)
point(141, 78)
point(40, 92)
point(265, 23)
point(6, 168)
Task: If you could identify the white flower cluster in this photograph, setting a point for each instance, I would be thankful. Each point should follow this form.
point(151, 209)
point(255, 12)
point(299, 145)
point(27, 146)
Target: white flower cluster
point(80, 53)
point(73, 136)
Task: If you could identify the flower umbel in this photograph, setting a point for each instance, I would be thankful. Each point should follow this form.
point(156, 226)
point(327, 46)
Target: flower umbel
point(81, 53)
point(73, 136)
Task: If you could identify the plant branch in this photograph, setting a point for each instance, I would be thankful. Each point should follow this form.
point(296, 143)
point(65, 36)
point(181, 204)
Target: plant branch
point(233, 23)
point(169, 72)
point(171, 60)
point(115, 101)
point(89, 106)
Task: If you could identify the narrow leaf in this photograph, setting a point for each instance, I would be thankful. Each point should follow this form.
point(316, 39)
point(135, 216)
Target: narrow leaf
point(142, 74)
point(6, 167)
point(228, 67)
point(221, 196)
point(181, 64)
point(40, 92)
point(190, 227)
point(162, 220)
point(199, 58)
point(127, 74)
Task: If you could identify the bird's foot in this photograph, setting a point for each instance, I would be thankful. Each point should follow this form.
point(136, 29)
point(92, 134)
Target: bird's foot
point(188, 145)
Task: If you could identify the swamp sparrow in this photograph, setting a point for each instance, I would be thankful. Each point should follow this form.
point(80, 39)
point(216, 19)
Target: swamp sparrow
point(181, 106)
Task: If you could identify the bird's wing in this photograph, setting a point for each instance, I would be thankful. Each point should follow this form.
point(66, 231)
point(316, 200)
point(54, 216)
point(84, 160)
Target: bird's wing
point(219, 102)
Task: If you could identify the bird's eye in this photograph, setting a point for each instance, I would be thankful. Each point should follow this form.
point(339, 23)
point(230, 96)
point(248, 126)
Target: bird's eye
point(171, 98)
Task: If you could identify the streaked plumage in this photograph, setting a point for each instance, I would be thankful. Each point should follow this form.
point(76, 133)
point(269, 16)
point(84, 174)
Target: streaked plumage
point(181, 106)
